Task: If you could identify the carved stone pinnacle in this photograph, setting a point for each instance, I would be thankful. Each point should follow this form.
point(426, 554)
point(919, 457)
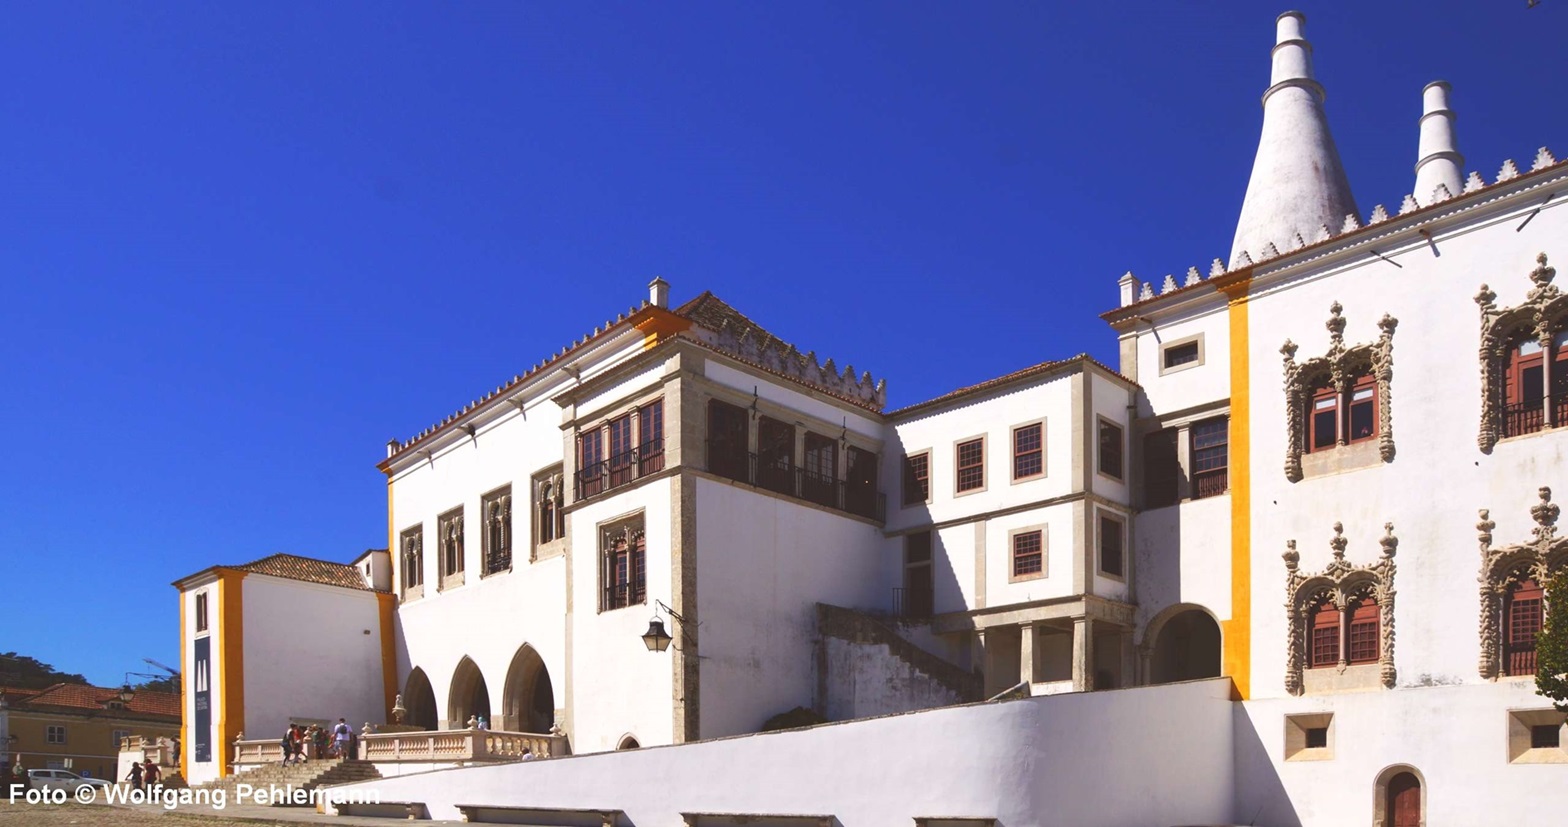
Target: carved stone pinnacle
point(1292, 557)
point(1339, 542)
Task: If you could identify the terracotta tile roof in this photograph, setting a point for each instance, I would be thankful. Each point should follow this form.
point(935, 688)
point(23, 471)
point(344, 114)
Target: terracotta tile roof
point(1025, 373)
point(712, 312)
point(76, 697)
point(308, 569)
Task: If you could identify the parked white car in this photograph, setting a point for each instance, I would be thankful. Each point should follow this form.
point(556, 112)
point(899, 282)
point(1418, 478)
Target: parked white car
point(62, 780)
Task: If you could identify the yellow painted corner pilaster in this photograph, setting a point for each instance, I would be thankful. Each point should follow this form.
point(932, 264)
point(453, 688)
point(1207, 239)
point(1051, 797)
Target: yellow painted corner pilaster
point(1237, 658)
point(231, 665)
point(386, 603)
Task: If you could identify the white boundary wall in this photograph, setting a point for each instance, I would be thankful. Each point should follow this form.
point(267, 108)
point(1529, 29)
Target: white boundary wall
point(1028, 763)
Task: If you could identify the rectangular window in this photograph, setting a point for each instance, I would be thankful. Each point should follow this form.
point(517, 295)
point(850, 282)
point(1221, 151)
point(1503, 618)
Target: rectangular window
point(590, 464)
point(1210, 457)
point(819, 474)
point(1325, 635)
point(1323, 419)
point(55, 734)
point(411, 544)
point(1161, 469)
point(1364, 642)
point(451, 527)
point(1028, 451)
point(1317, 737)
point(917, 479)
point(727, 438)
point(1182, 354)
point(1028, 553)
point(497, 510)
point(549, 522)
point(650, 438)
point(860, 482)
point(119, 736)
point(1523, 615)
point(620, 461)
point(624, 565)
point(971, 465)
point(915, 598)
point(1363, 410)
point(1112, 546)
point(1110, 449)
point(201, 612)
point(776, 455)
point(1546, 736)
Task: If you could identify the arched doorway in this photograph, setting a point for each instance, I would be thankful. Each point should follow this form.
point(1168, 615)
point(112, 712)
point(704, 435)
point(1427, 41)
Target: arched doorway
point(628, 742)
point(528, 702)
point(467, 697)
point(419, 699)
point(1186, 647)
point(1400, 798)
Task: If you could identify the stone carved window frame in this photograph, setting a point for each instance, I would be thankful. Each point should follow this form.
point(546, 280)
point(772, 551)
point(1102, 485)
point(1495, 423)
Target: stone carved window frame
point(1344, 583)
point(1543, 314)
point(1536, 559)
point(496, 509)
point(411, 549)
point(1338, 369)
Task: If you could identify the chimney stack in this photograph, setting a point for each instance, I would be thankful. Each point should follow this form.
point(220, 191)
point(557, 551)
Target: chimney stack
point(659, 293)
point(1439, 160)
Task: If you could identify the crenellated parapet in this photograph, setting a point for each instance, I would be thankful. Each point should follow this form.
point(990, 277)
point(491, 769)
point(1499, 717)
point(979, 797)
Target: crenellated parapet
point(770, 353)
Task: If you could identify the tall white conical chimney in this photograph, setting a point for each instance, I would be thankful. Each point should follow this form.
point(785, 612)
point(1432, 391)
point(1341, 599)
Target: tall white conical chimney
point(1298, 183)
point(1439, 161)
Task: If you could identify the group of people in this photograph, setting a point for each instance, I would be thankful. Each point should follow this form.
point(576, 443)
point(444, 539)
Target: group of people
point(144, 775)
point(302, 742)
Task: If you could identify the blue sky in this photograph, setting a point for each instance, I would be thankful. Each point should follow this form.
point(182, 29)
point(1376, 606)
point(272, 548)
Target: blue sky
point(243, 247)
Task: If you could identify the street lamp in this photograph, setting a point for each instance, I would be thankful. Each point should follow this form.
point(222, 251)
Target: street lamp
point(656, 638)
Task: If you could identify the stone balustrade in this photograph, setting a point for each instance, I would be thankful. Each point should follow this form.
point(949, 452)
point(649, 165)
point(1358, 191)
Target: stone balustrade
point(459, 745)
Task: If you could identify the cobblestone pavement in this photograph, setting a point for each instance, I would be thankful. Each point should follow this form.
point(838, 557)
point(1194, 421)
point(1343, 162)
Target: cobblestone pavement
point(103, 815)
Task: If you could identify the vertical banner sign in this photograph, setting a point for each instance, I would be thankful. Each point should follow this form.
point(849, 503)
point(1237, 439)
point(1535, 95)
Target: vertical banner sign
point(203, 733)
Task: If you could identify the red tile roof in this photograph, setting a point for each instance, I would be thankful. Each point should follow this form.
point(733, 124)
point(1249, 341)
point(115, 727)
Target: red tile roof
point(712, 312)
point(77, 698)
point(309, 570)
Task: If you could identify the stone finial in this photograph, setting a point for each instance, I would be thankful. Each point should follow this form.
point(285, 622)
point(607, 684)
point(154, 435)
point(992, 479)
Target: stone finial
point(367, 729)
point(1292, 557)
point(1486, 298)
point(240, 736)
point(1484, 528)
point(1339, 542)
point(1169, 284)
point(1352, 223)
point(1543, 159)
point(1128, 287)
point(1216, 268)
point(1509, 172)
point(1440, 194)
point(1543, 274)
point(1146, 293)
point(398, 712)
point(1289, 349)
point(1388, 541)
point(1545, 515)
point(1378, 216)
point(1193, 277)
point(1387, 324)
point(1408, 205)
point(1474, 182)
point(1335, 323)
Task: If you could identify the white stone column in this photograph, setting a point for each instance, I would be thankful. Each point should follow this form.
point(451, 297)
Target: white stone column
point(1083, 654)
point(1026, 652)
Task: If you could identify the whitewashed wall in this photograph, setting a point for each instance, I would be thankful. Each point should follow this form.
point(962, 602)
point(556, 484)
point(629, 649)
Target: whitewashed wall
point(206, 770)
point(308, 655)
point(1022, 762)
point(1182, 555)
point(1186, 386)
point(763, 563)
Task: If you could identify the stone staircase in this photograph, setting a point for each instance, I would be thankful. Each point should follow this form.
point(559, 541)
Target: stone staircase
point(321, 772)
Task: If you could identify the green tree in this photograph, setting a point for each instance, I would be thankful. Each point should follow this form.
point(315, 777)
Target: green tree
point(24, 672)
point(170, 684)
point(1551, 646)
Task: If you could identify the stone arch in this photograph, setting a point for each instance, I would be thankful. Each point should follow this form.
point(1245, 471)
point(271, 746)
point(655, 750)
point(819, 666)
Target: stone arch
point(419, 699)
point(467, 696)
point(528, 699)
point(1183, 644)
point(628, 741)
point(1381, 817)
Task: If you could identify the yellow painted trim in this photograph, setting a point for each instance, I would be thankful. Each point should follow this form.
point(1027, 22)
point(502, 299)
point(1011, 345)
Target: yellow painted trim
point(231, 664)
point(659, 323)
point(185, 695)
point(392, 549)
point(386, 603)
point(1237, 657)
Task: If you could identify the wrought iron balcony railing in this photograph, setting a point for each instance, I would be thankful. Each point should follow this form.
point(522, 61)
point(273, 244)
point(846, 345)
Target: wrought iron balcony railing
point(779, 475)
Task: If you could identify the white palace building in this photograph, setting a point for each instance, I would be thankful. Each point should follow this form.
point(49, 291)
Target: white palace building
point(1281, 566)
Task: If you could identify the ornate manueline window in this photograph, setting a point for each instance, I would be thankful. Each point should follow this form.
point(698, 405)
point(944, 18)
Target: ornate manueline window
point(497, 509)
point(1340, 398)
point(1513, 603)
point(1342, 616)
point(549, 522)
point(411, 553)
point(1524, 360)
point(451, 540)
point(623, 564)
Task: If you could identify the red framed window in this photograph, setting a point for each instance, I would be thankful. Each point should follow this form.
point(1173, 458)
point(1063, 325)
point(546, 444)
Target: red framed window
point(1028, 553)
point(1560, 379)
point(1110, 449)
point(1362, 416)
point(1028, 451)
point(1323, 634)
point(650, 437)
point(590, 459)
point(1524, 410)
point(1322, 420)
point(1522, 618)
point(620, 464)
point(917, 478)
point(971, 465)
point(727, 437)
point(625, 570)
point(1364, 632)
point(1210, 457)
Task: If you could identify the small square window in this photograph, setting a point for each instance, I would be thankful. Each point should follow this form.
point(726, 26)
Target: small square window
point(971, 465)
point(55, 734)
point(1546, 736)
point(1028, 554)
point(1535, 736)
point(1309, 737)
point(1317, 737)
point(1183, 354)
